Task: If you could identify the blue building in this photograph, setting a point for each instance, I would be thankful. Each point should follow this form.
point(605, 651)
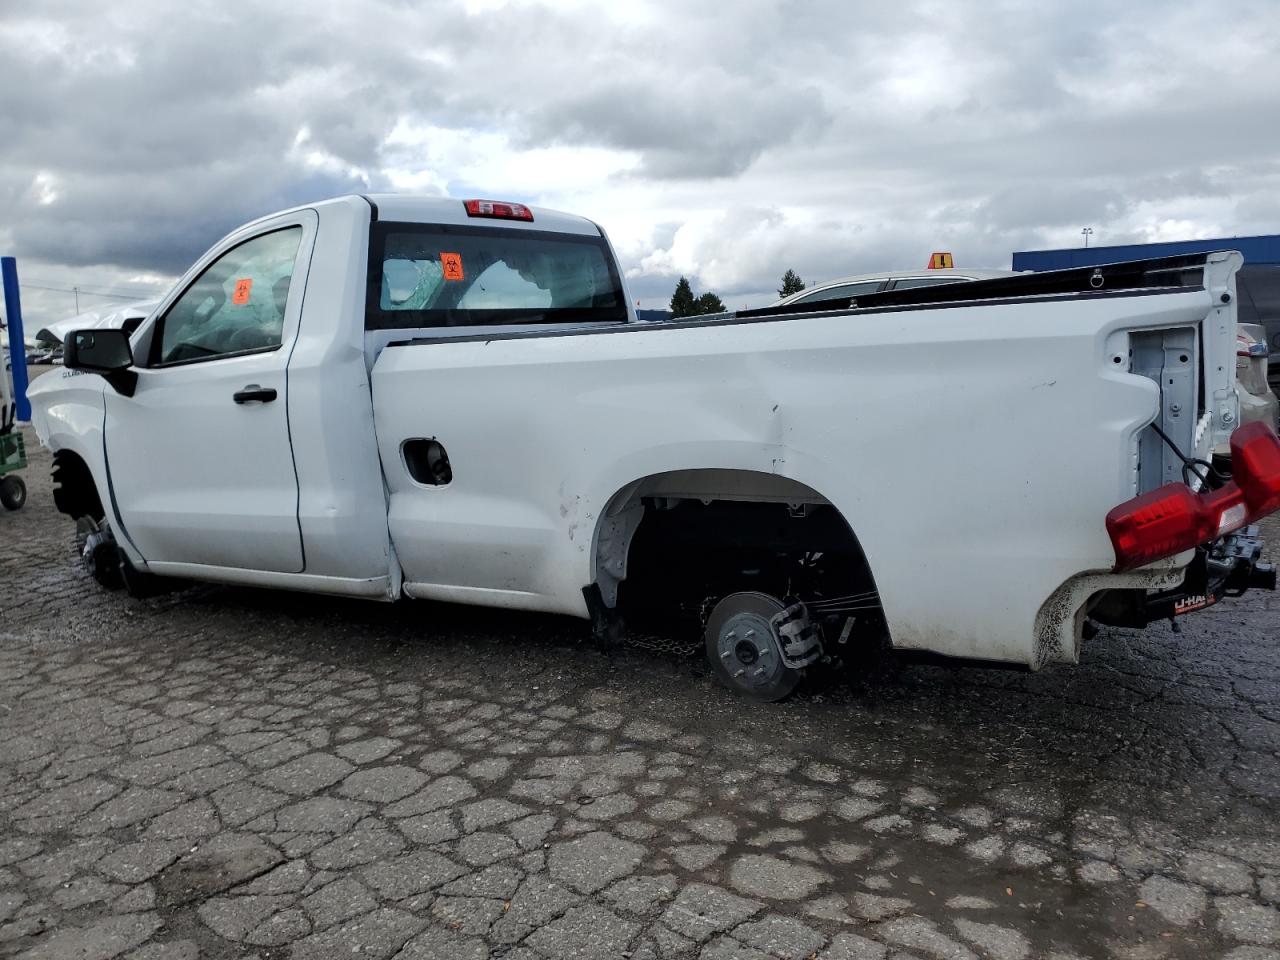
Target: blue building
point(1257, 283)
point(1258, 251)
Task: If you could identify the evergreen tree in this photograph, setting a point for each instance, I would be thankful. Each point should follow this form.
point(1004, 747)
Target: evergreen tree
point(708, 303)
point(683, 303)
point(790, 284)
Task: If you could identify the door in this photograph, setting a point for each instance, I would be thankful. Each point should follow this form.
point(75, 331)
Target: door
point(200, 458)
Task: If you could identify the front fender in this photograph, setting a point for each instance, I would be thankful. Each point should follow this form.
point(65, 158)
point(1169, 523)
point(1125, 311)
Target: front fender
point(67, 412)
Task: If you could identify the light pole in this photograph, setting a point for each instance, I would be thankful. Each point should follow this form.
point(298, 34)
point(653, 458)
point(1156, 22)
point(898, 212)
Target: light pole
point(1087, 232)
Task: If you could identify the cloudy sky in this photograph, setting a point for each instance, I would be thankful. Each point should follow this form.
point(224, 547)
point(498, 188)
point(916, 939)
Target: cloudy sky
point(727, 141)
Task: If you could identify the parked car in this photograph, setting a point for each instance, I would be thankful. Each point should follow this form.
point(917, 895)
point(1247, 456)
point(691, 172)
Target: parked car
point(126, 317)
point(1258, 402)
point(1259, 289)
point(45, 355)
point(29, 345)
point(452, 400)
point(868, 283)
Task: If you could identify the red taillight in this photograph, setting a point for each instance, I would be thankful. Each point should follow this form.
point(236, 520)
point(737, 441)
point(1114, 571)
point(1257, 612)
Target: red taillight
point(1171, 518)
point(1158, 524)
point(497, 210)
point(1255, 466)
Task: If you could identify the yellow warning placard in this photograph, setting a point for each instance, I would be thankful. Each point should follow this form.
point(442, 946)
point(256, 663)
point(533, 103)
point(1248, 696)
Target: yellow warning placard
point(451, 264)
point(941, 261)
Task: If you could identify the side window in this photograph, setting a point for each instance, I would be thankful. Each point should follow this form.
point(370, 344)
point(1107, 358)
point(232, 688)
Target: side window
point(843, 291)
point(909, 283)
point(235, 306)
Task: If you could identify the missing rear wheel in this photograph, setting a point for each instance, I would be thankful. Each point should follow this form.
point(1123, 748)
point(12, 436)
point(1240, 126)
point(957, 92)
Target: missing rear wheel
point(743, 649)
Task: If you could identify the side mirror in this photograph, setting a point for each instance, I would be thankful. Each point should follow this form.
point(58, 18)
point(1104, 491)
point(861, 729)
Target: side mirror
point(102, 351)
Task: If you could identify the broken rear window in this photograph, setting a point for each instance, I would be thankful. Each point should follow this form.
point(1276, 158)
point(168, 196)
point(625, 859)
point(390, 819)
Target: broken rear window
point(439, 275)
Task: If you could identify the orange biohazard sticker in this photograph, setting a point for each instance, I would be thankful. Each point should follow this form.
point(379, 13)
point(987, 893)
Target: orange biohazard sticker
point(451, 264)
point(244, 286)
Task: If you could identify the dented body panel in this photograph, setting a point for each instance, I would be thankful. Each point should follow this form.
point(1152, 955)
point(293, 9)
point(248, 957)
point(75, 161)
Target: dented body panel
point(555, 435)
point(964, 554)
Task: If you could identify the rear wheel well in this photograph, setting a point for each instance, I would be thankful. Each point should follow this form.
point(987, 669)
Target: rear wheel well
point(674, 544)
point(74, 492)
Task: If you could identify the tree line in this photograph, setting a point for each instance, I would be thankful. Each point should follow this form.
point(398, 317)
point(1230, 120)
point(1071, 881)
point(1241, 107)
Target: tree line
point(685, 304)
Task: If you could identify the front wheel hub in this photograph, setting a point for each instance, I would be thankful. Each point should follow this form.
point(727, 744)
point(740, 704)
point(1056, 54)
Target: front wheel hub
point(101, 556)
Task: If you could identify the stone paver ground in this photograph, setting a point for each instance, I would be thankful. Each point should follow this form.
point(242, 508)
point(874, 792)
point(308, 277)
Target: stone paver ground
point(224, 773)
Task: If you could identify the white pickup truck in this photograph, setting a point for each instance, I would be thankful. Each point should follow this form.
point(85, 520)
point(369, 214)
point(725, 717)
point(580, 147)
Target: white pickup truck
point(450, 400)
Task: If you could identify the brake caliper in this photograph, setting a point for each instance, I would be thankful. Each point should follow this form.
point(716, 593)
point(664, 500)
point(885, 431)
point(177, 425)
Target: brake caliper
point(798, 638)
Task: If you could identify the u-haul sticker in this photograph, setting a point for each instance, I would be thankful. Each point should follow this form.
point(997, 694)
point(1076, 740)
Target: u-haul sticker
point(1188, 604)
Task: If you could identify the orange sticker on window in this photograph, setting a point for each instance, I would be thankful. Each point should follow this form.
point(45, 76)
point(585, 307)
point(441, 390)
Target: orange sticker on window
point(451, 264)
point(244, 286)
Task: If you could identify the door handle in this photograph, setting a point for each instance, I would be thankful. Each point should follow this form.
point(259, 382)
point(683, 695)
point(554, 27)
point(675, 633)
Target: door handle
point(254, 392)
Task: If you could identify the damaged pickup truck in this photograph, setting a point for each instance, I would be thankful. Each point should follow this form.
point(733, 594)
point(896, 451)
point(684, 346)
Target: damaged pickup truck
point(451, 400)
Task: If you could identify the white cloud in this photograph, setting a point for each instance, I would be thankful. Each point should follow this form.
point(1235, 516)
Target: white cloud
point(444, 159)
point(724, 142)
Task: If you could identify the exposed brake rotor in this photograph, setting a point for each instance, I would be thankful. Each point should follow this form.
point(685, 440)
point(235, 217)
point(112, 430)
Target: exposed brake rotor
point(746, 650)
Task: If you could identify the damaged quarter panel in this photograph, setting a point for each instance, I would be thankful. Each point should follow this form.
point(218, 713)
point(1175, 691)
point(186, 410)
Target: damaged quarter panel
point(542, 432)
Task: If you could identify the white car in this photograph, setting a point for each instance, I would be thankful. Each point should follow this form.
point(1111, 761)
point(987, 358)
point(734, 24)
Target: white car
point(863, 284)
point(29, 344)
point(126, 317)
point(1257, 400)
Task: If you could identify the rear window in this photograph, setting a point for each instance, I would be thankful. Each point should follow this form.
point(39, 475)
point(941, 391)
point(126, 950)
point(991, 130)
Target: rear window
point(438, 275)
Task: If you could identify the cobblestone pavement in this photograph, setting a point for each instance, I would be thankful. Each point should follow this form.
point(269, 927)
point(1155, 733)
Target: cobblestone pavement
point(225, 773)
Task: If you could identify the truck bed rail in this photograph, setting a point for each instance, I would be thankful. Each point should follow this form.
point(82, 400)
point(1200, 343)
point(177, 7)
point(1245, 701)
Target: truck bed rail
point(1131, 278)
point(1160, 273)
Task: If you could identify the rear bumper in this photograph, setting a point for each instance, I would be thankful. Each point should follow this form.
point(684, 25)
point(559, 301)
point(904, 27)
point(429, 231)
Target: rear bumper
point(1229, 567)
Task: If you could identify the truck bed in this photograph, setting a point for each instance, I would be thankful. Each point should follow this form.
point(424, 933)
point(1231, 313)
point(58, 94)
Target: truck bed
point(902, 412)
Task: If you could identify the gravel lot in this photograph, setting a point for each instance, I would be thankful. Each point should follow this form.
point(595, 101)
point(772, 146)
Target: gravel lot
point(224, 773)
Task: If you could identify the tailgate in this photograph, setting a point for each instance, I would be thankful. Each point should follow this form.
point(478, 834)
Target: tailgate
point(1195, 371)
